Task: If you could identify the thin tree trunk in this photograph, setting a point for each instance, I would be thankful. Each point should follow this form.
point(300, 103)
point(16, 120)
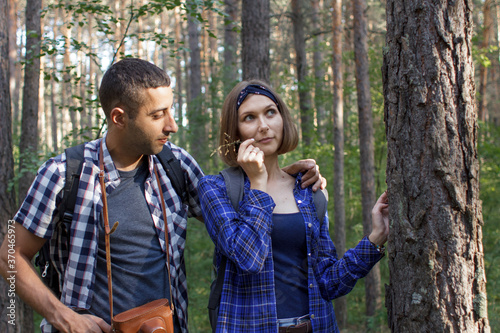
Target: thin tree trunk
point(230, 45)
point(306, 117)
point(179, 86)
point(28, 145)
point(53, 107)
point(338, 142)
point(437, 277)
point(483, 70)
point(15, 68)
point(319, 74)
point(255, 39)
point(366, 145)
point(9, 311)
point(196, 121)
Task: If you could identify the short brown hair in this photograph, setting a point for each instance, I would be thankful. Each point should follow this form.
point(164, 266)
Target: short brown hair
point(124, 83)
point(228, 151)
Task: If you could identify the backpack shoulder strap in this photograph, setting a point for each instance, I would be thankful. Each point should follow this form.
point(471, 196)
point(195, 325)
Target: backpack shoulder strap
point(174, 171)
point(321, 204)
point(74, 164)
point(235, 181)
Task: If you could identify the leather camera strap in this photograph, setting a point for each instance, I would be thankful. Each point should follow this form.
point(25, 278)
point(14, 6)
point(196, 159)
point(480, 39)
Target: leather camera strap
point(108, 231)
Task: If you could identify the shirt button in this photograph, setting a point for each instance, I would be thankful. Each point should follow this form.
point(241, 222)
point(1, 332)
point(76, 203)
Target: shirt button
point(312, 316)
point(311, 285)
point(309, 254)
point(310, 225)
point(299, 201)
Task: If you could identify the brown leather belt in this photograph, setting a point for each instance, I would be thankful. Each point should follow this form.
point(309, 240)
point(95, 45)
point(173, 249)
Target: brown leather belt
point(305, 327)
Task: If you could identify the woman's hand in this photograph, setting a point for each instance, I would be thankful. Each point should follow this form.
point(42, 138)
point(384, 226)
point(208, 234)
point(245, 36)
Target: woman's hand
point(380, 221)
point(251, 160)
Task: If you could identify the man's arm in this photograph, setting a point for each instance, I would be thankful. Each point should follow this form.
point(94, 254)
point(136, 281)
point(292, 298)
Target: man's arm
point(311, 173)
point(18, 250)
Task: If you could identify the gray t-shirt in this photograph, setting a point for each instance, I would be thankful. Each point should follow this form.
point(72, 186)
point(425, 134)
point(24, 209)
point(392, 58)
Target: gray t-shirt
point(139, 272)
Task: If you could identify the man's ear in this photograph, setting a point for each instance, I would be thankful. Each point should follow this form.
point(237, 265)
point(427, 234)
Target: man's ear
point(117, 117)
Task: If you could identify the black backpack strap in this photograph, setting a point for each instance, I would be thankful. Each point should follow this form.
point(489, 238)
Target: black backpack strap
point(74, 164)
point(172, 167)
point(235, 181)
point(321, 204)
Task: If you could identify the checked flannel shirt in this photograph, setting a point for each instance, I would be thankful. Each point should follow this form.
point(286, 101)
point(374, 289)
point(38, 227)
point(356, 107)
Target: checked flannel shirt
point(248, 302)
point(39, 213)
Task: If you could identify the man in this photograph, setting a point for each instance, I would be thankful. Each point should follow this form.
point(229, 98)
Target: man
point(137, 100)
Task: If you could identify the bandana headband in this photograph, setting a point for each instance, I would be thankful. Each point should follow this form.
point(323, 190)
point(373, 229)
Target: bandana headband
point(257, 90)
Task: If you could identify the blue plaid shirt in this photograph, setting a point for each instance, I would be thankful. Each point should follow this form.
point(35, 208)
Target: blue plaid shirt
point(39, 212)
point(248, 301)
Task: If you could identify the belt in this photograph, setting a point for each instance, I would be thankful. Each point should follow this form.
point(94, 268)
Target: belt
point(304, 327)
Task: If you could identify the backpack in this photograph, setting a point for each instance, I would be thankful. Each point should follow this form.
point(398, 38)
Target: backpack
point(74, 164)
point(235, 183)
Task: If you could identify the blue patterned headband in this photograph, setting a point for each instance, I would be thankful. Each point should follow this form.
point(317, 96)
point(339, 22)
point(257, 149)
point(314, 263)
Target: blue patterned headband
point(257, 90)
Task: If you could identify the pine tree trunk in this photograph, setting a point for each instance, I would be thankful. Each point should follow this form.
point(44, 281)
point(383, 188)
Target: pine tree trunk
point(366, 145)
point(338, 142)
point(230, 45)
point(255, 39)
point(483, 70)
point(437, 277)
point(196, 120)
point(320, 84)
point(28, 145)
point(306, 117)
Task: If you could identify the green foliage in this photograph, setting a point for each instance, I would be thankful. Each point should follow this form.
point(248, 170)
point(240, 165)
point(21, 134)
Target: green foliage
point(489, 156)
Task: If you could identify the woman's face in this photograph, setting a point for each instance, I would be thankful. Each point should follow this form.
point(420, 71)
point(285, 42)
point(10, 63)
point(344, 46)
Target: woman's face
point(260, 119)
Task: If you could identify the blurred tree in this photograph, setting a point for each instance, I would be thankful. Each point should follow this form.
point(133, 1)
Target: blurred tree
point(255, 39)
point(305, 103)
point(338, 143)
point(366, 144)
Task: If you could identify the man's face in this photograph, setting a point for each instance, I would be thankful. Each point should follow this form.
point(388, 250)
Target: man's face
point(150, 129)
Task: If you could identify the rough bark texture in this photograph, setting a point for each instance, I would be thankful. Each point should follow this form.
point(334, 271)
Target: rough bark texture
point(28, 144)
point(255, 39)
point(306, 117)
point(366, 144)
point(338, 142)
point(437, 278)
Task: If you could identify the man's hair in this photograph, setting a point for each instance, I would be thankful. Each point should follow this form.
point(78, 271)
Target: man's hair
point(124, 83)
point(228, 151)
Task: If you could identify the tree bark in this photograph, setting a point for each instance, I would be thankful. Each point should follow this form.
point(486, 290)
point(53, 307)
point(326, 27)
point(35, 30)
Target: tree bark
point(15, 67)
point(338, 142)
point(230, 45)
point(7, 193)
point(198, 139)
point(366, 145)
point(483, 70)
point(178, 75)
point(437, 277)
point(28, 145)
point(319, 74)
point(255, 39)
point(306, 118)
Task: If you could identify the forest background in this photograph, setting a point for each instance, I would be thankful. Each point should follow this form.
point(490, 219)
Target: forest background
point(193, 41)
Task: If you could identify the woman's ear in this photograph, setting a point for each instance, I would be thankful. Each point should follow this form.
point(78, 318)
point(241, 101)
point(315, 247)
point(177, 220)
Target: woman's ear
point(117, 117)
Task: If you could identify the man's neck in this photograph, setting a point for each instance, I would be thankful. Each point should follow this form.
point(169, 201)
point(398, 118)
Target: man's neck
point(123, 158)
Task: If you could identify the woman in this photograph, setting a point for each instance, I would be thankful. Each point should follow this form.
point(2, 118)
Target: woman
point(282, 270)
